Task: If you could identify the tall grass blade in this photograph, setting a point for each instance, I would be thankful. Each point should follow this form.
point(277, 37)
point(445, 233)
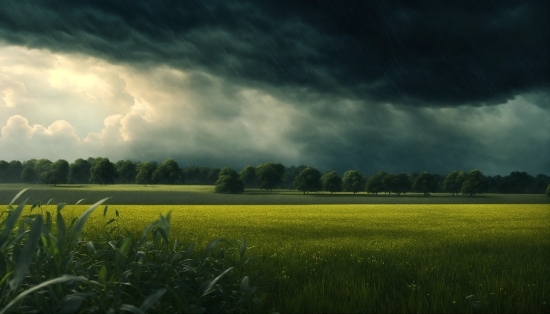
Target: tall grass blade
point(54, 281)
point(243, 248)
point(151, 299)
point(61, 229)
point(79, 201)
point(27, 253)
point(79, 223)
point(10, 223)
point(213, 282)
point(209, 248)
point(131, 308)
point(17, 196)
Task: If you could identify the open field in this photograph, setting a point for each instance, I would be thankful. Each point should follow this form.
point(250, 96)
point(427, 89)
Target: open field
point(374, 257)
point(204, 194)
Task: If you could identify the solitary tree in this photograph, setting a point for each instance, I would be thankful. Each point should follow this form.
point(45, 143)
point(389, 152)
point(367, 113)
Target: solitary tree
point(80, 171)
point(331, 182)
point(353, 181)
point(425, 183)
point(475, 183)
point(248, 175)
point(103, 172)
point(229, 181)
point(270, 175)
point(145, 174)
point(167, 173)
point(309, 180)
point(374, 183)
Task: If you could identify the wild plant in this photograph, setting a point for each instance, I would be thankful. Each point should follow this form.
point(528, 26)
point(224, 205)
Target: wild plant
point(47, 266)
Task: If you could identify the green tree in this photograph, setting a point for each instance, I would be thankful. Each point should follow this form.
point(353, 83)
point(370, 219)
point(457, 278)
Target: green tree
point(14, 171)
point(388, 183)
point(103, 172)
point(126, 170)
point(374, 183)
point(475, 183)
point(168, 173)
point(145, 174)
point(28, 175)
point(229, 181)
point(195, 174)
point(248, 175)
point(270, 175)
point(290, 174)
point(425, 183)
point(401, 183)
point(309, 180)
point(41, 167)
point(453, 182)
point(353, 181)
point(58, 174)
point(548, 190)
point(4, 166)
point(331, 182)
point(212, 176)
point(79, 171)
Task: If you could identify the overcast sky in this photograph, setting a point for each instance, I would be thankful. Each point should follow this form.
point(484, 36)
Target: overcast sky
point(368, 85)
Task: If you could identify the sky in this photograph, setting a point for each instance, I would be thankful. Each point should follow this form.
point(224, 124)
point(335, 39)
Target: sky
point(398, 86)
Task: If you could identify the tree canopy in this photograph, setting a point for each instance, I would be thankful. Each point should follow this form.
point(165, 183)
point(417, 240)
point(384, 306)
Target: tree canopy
point(475, 183)
point(145, 173)
point(229, 181)
point(167, 173)
point(270, 175)
point(249, 177)
point(309, 180)
point(103, 172)
point(425, 183)
point(331, 182)
point(353, 181)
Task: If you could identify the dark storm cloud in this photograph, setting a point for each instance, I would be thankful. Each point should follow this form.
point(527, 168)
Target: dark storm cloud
point(440, 53)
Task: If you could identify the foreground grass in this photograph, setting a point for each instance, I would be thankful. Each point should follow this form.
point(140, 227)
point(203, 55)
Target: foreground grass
point(376, 258)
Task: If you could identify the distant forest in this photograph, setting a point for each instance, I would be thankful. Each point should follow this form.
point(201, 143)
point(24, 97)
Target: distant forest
point(102, 171)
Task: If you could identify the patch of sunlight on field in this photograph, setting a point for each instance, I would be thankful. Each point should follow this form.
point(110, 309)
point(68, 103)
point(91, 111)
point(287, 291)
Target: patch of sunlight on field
point(383, 257)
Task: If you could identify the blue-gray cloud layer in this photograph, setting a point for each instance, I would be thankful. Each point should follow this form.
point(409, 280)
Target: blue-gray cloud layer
point(416, 56)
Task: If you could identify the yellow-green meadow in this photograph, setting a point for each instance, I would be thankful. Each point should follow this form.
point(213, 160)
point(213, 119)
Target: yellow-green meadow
point(372, 257)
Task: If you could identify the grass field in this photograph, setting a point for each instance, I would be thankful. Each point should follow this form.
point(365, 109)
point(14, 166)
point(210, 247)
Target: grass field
point(437, 258)
point(133, 194)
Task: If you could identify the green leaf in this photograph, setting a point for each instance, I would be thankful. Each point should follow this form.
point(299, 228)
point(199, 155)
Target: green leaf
point(131, 308)
point(54, 281)
point(209, 249)
point(211, 284)
point(79, 201)
point(243, 247)
point(110, 221)
point(151, 299)
point(61, 229)
point(60, 206)
point(79, 224)
point(17, 196)
point(24, 259)
point(10, 221)
point(102, 275)
point(105, 210)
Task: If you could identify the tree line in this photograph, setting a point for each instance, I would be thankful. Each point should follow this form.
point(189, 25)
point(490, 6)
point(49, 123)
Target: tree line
point(266, 176)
